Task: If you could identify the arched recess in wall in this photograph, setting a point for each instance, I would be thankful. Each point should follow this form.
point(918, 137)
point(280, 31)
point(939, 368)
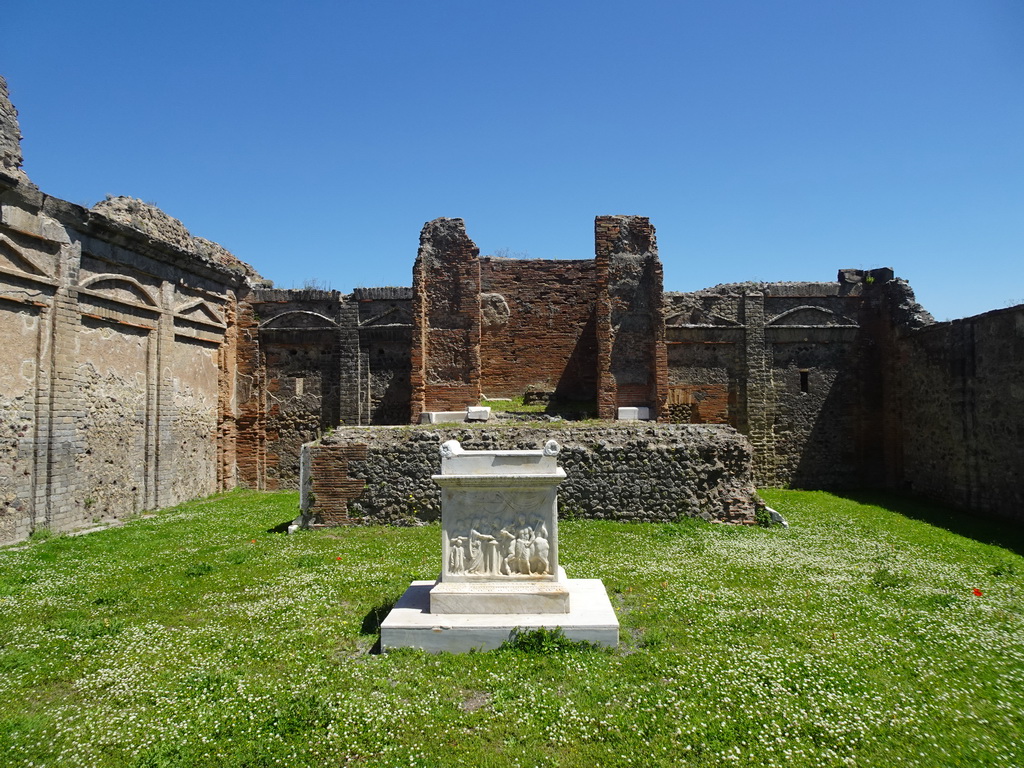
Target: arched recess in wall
point(117, 285)
point(809, 315)
point(697, 317)
point(298, 320)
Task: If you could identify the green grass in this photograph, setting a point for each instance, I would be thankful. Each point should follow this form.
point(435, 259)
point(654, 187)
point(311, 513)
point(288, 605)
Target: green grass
point(574, 409)
point(201, 637)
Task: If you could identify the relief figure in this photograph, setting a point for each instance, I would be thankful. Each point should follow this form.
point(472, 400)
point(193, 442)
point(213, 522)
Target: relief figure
point(487, 549)
point(539, 559)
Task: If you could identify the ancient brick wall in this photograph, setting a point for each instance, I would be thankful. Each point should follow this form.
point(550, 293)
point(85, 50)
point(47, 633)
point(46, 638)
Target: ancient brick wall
point(538, 328)
point(445, 354)
point(138, 368)
point(382, 475)
point(322, 359)
point(118, 371)
point(705, 336)
point(631, 354)
point(115, 394)
point(962, 408)
point(385, 339)
point(298, 350)
point(329, 485)
point(250, 427)
point(798, 367)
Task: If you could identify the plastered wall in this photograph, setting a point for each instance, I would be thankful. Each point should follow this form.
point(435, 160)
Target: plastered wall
point(117, 391)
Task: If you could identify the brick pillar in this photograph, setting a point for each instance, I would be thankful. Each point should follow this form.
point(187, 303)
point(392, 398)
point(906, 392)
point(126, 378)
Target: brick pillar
point(46, 388)
point(759, 400)
point(632, 358)
point(227, 372)
point(251, 447)
point(447, 320)
point(331, 488)
point(161, 342)
point(65, 442)
point(350, 387)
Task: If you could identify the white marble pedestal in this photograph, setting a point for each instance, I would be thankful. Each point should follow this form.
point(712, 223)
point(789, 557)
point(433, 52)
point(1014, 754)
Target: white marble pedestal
point(411, 624)
point(499, 544)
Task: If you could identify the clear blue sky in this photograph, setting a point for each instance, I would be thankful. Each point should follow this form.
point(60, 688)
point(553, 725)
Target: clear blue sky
point(776, 140)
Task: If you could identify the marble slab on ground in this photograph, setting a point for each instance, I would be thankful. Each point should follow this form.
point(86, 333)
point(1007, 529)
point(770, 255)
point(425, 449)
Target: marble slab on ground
point(634, 414)
point(411, 625)
point(442, 417)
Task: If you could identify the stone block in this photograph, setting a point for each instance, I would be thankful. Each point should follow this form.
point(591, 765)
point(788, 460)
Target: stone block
point(410, 624)
point(442, 417)
point(499, 554)
point(462, 597)
point(641, 413)
point(478, 413)
point(499, 516)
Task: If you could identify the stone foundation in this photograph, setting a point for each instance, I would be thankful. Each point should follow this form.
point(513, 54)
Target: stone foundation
point(637, 472)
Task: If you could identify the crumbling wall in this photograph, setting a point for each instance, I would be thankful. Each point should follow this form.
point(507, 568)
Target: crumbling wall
point(538, 328)
point(445, 355)
point(637, 472)
point(319, 359)
point(150, 220)
point(632, 365)
point(298, 344)
point(962, 407)
point(10, 138)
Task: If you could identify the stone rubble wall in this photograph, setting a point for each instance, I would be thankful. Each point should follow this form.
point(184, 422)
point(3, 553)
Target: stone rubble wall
point(636, 472)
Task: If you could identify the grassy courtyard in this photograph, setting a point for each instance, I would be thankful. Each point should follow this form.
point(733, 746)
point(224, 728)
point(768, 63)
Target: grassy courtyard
point(874, 631)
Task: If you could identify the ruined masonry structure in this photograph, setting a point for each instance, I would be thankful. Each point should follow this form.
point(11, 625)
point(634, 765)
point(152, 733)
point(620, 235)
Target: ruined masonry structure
point(635, 471)
point(141, 366)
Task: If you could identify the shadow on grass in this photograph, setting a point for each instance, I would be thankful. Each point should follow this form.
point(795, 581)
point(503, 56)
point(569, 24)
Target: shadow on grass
point(985, 529)
point(372, 621)
point(281, 527)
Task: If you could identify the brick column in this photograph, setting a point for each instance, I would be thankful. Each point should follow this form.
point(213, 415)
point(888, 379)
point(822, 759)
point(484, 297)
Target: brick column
point(65, 442)
point(227, 371)
point(447, 320)
point(632, 358)
point(251, 448)
point(759, 400)
point(350, 406)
